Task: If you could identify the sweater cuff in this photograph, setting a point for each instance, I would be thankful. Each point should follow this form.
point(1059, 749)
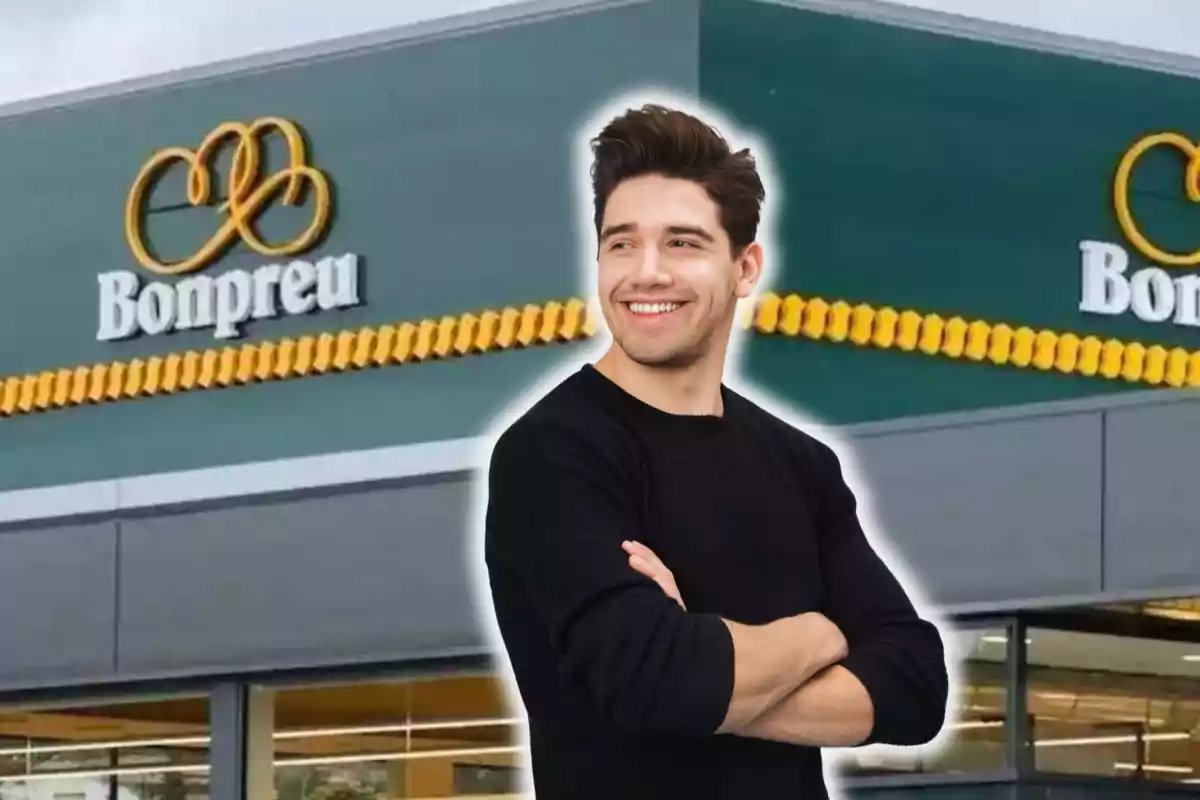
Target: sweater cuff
point(709, 684)
point(886, 697)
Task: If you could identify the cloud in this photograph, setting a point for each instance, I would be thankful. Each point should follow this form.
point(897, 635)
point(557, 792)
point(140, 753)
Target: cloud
point(1164, 25)
point(51, 46)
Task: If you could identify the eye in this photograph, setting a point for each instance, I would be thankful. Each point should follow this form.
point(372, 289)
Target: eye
point(683, 242)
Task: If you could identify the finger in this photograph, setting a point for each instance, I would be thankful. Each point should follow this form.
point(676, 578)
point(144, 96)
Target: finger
point(649, 567)
point(664, 581)
point(634, 546)
point(637, 548)
point(643, 566)
point(631, 546)
point(669, 590)
point(659, 574)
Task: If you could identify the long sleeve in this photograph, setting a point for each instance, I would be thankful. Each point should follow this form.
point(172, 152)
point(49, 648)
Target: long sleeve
point(898, 656)
point(560, 503)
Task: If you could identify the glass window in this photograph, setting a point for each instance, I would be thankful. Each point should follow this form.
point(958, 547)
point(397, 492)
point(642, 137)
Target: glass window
point(1114, 706)
point(144, 750)
point(978, 743)
point(437, 737)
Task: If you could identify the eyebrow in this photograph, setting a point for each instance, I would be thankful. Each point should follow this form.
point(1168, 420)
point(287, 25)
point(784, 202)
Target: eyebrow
point(676, 230)
point(613, 230)
point(689, 230)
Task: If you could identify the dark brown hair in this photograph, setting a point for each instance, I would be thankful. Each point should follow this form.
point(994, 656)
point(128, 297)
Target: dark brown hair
point(655, 140)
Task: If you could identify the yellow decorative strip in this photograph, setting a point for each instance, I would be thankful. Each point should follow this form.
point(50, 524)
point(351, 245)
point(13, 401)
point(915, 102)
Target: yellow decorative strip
point(1023, 347)
point(533, 325)
point(363, 348)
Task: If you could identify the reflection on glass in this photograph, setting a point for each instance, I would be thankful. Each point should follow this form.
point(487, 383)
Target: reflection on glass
point(979, 721)
point(432, 738)
point(152, 750)
point(1114, 706)
point(1183, 609)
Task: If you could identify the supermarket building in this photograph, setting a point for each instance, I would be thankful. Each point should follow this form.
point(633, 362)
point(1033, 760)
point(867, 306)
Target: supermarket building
point(239, 434)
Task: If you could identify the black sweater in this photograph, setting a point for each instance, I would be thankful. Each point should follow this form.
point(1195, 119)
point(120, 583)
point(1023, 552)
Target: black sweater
point(623, 688)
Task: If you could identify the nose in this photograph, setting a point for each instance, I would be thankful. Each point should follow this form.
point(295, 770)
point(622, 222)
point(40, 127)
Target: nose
point(650, 270)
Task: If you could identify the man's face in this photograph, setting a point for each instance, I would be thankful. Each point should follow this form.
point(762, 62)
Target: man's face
point(668, 281)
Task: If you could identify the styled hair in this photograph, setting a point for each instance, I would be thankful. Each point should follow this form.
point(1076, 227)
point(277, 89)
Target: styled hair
point(655, 140)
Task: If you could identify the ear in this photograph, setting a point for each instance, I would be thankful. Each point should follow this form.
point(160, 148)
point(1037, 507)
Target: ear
point(750, 268)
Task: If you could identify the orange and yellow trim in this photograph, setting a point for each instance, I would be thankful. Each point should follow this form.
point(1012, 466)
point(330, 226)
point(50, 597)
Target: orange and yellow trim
point(317, 354)
point(1001, 344)
point(495, 330)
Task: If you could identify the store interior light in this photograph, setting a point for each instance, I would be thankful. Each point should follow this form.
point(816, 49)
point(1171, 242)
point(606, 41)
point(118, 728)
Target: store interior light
point(296, 733)
point(976, 724)
point(1000, 639)
point(1194, 657)
point(122, 744)
point(404, 755)
point(1084, 741)
point(366, 730)
point(1156, 768)
point(281, 762)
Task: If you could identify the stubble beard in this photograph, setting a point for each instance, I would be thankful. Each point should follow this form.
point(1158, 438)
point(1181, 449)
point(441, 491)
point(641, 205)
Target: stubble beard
point(676, 357)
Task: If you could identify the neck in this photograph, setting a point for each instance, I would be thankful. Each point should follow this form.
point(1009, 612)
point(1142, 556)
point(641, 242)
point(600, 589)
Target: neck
point(691, 390)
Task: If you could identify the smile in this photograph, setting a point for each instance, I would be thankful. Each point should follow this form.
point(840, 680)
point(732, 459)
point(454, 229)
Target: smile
point(653, 308)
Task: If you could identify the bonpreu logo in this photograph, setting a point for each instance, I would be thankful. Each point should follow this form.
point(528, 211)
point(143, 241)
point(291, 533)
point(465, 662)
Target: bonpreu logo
point(129, 306)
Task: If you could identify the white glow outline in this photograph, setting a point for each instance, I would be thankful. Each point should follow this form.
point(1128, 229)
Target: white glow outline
point(738, 138)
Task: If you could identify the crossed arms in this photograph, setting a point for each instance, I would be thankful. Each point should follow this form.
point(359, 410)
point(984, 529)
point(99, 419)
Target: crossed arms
point(866, 670)
point(788, 686)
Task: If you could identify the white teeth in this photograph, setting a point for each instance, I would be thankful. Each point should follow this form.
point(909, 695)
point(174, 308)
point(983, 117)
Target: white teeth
point(652, 308)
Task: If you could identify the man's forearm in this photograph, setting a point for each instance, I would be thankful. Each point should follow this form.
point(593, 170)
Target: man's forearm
point(771, 661)
point(832, 709)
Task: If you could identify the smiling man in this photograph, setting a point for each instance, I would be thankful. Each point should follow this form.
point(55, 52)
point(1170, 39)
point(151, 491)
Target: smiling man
point(687, 599)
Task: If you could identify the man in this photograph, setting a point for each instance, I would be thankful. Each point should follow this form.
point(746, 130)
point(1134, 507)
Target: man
point(688, 602)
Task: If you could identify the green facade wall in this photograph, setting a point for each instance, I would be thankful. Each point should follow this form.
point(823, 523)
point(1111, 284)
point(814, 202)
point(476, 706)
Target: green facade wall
point(449, 159)
point(945, 175)
point(922, 171)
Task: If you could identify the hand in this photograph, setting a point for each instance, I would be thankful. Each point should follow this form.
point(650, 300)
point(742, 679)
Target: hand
point(643, 559)
point(829, 643)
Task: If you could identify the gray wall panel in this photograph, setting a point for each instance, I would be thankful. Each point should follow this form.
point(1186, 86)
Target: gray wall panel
point(378, 574)
point(995, 511)
point(57, 603)
point(1152, 536)
point(1000, 511)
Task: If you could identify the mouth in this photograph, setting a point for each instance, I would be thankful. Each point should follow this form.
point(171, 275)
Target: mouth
point(653, 309)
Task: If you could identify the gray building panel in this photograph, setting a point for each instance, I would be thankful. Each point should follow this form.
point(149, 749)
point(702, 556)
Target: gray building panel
point(353, 577)
point(57, 603)
point(1152, 533)
point(967, 507)
point(987, 511)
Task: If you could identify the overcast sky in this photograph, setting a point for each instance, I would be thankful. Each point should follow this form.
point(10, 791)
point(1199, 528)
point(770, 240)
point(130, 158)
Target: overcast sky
point(51, 46)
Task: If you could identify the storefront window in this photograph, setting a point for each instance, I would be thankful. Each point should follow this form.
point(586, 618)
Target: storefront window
point(147, 750)
point(1114, 706)
point(439, 737)
point(979, 732)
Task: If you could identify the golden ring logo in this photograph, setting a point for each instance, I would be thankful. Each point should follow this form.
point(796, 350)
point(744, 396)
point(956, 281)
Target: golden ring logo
point(248, 193)
point(1121, 194)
